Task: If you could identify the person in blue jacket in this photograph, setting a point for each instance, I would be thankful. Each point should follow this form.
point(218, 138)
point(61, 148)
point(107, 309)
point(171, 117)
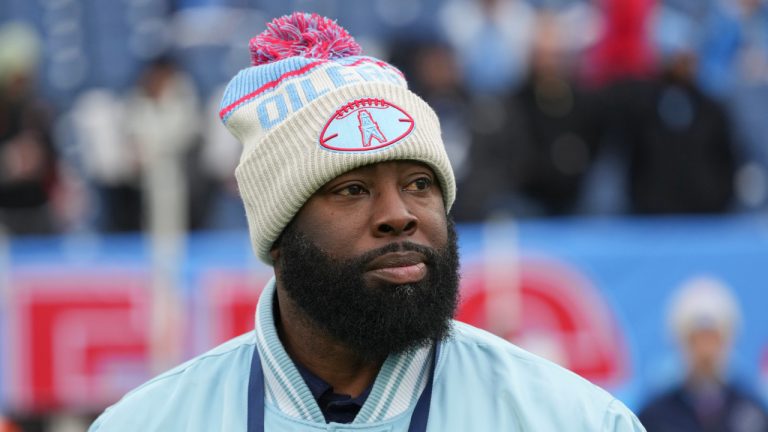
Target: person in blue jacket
point(704, 316)
point(347, 188)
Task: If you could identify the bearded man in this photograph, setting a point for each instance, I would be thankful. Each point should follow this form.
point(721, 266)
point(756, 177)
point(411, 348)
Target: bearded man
point(347, 189)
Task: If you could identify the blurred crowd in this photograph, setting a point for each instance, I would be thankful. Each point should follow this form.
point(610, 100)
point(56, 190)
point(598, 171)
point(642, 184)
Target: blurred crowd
point(547, 107)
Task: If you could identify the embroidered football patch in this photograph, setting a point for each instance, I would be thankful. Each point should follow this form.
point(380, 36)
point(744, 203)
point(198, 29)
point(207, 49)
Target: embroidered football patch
point(366, 124)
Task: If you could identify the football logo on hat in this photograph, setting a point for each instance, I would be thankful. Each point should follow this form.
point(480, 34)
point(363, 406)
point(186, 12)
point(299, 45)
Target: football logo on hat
point(366, 124)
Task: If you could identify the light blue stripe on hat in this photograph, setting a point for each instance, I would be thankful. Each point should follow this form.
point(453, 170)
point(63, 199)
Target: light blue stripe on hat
point(259, 81)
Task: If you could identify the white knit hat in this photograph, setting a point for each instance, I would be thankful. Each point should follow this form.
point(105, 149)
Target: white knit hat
point(703, 302)
point(310, 109)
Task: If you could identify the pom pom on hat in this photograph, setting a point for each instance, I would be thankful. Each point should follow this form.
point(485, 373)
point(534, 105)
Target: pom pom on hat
point(304, 35)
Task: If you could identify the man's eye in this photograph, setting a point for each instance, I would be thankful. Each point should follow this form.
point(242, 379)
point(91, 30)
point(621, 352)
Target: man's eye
point(352, 190)
point(419, 184)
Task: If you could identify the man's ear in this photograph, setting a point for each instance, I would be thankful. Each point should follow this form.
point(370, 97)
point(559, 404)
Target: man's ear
point(274, 253)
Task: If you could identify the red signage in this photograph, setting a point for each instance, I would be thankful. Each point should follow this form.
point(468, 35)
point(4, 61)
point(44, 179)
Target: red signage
point(549, 309)
point(80, 340)
point(229, 302)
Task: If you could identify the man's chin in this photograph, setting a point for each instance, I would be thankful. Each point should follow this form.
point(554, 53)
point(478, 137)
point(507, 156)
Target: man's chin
point(382, 350)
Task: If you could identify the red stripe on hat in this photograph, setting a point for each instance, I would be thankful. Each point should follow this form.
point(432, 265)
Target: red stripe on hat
point(274, 83)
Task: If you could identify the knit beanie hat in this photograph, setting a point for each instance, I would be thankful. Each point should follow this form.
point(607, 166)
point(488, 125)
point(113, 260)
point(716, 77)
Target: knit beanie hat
point(312, 108)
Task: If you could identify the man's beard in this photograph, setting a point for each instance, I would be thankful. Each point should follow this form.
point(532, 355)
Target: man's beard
point(372, 321)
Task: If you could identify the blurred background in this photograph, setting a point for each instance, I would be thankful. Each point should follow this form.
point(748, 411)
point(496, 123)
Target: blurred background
point(611, 159)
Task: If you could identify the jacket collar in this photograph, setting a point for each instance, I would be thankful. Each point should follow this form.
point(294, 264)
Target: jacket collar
point(396, 389)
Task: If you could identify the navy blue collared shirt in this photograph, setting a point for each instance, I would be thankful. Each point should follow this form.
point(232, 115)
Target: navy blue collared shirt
point(338, 408)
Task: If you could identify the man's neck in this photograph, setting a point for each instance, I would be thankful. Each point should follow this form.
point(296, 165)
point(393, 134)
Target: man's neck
point(313, 348)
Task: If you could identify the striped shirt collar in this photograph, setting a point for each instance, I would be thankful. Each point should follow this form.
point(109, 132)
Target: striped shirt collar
point(396, 389)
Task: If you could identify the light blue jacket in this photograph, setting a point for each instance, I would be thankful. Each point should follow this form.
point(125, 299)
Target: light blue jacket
point(482, 383)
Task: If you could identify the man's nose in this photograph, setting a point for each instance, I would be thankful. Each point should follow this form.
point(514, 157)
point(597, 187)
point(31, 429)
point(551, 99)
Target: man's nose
point(391, 214)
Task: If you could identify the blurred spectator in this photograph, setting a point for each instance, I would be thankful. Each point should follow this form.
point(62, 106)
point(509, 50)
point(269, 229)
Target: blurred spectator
point(109, 163)
point(534, 162)
point(615, 67)
point(674, 143)
point(27, 158)
point(491, 38)
point(704, 317)
point(680, 141)
point(162, 118)
point(735, 68)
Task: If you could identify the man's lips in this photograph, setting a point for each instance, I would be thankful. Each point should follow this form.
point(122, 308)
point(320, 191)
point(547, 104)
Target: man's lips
point(398, 267)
